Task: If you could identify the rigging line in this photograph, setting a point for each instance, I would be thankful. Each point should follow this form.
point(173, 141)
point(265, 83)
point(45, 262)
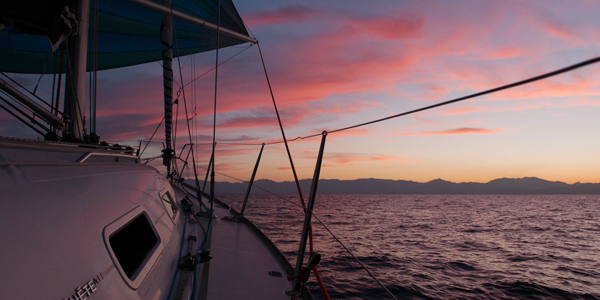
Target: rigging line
point(53, 87)
point(497, 89)
point(310, 232)
point(522, 82)
point(26, 108)
point(23, 106)
point(133, 32)
point(216, 77)
point(31, 119)
point(196, 78)
point(36, 96)
point(43, 72)
point(212, 173)
point(91, 91)
point(136, 36)
point(287, 148)
point(185, 221)
point(58, 86)
point(138, 12)
point(93, 116)
point(349, 252)
point(148, 160)
point(267, 143)
point(185, 106)
point(20, 119)
point(157, 127)
point(259, 187)
point(197, 256)
point(324, 226)
point(174, 132)
point(207, 171)
point(240, 144)
point(187, 188)
point(72, 84)
point(249, 31)
point(194, 120)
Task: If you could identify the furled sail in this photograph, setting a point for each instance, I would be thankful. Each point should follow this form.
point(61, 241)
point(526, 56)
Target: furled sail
point(127, 34)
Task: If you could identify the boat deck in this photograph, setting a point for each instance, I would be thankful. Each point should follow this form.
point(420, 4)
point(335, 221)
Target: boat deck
point(241, 259)
point(241, 262)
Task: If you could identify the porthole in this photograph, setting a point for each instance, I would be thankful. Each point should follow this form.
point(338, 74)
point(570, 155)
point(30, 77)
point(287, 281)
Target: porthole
point(132, 244)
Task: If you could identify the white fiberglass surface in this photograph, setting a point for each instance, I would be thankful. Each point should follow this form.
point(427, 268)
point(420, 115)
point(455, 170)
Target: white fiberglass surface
point(241, 264)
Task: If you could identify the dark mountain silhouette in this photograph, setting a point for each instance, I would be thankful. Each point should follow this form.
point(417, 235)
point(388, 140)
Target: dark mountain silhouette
point(526, 185)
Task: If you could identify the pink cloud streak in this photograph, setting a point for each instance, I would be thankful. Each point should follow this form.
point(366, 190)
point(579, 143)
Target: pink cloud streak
point(456, 131)
point(286, 14)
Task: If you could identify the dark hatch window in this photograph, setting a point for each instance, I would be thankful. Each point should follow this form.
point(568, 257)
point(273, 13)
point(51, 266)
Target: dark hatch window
point(133, 243)
point(169, 205)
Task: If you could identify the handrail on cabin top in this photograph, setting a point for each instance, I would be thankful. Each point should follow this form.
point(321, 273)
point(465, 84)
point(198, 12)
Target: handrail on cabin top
point(87, 155)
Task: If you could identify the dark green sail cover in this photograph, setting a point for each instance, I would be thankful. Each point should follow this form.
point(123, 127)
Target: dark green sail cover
point(127, 35)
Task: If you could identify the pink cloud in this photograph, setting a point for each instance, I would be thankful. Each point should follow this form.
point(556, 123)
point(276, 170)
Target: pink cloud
point(582, 101)
point(564, 86)
point(331, 137)
point(286, 14)
point(397, 27)
point(354, 55)
point(338, 159)
point(505, 52)
point(557, 30)
point(242, 138)
point(456, 131)
point(222, 168)
point(250, 122)
point(354, 52)
point(296, 167)
point(465, 110)
point(348, 158)
point(355, 132)
point(292, 115)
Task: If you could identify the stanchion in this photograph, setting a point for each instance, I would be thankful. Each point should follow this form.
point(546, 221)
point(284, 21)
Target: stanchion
point(251, 182)
point(296, 282)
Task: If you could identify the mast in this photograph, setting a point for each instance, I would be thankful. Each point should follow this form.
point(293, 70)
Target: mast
point(166, 38)
point(75, 81)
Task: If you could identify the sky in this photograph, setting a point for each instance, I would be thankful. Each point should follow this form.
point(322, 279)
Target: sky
point(333, 64)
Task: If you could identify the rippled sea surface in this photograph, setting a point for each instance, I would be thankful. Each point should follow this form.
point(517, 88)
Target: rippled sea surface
point(444, 246)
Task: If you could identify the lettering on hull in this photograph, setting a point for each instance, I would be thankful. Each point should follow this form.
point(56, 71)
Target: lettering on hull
point(83, 292)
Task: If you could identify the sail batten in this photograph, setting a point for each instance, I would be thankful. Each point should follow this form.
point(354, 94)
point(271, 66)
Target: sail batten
point(128, 35)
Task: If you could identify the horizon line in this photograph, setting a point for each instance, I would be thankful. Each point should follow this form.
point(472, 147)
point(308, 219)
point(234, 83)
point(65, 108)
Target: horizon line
point(526, 177)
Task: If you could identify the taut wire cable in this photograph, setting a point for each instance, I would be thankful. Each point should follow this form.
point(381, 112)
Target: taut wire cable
point(490, 91)
point(157, 127)
point(287, 148)
point(324, 226)
point(187, 119)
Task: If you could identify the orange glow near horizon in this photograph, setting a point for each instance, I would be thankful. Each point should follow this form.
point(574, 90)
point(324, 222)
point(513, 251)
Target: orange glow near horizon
point(334, 66)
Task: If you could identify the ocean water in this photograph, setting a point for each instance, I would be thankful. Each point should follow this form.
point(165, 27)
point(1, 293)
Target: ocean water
point(444, 246)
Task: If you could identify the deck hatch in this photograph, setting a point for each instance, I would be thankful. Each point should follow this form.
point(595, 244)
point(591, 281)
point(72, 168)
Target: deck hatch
point(132, 244)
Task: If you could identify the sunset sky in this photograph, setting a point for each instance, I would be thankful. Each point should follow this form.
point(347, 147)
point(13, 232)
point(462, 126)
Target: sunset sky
point(333, 64)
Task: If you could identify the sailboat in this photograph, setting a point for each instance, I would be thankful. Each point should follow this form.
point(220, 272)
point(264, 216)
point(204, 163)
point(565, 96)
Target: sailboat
point(84, 219)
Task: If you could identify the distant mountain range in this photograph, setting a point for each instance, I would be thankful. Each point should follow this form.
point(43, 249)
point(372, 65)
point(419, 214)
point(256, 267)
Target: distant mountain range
point(526, 185)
